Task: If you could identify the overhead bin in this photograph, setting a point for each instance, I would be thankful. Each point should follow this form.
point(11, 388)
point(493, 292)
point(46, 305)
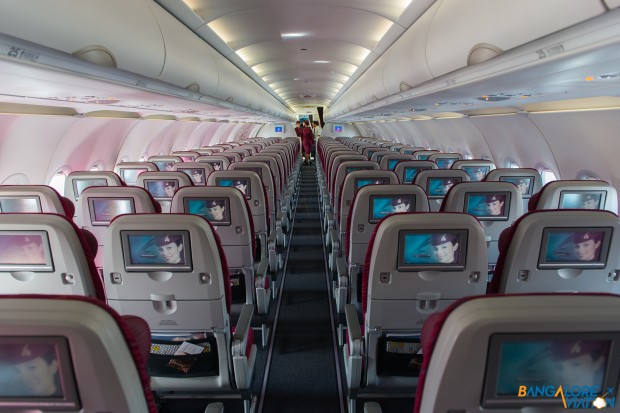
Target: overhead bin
point(126, 29)
point(140, 37)
point(451, 32)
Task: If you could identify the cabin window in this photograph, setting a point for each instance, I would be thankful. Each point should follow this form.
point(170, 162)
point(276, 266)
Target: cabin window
point(547, 176)
point(486, 157)
point(95, 167)
point(58, 182)
point(468, 155)
point(588, 176)
point(511, 163)
point(143, 158)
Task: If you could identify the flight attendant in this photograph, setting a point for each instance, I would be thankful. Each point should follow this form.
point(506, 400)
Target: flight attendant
point(307, 141)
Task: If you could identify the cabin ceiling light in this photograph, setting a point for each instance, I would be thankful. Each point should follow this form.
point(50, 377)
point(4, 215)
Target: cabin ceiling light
point(292, 35)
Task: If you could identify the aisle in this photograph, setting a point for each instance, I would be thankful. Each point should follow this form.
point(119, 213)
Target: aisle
point(302, 375)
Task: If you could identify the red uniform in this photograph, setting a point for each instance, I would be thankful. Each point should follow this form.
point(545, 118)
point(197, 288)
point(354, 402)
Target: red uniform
point(307, 139)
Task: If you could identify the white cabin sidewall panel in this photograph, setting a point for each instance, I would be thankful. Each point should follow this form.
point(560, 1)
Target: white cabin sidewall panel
point(28, 144)
point(91, 140)
point(586, 140)
point(201, 135)
point(514, 137)
point(144, 140)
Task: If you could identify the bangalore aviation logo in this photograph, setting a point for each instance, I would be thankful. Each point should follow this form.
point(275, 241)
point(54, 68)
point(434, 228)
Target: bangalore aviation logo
point(573, 397)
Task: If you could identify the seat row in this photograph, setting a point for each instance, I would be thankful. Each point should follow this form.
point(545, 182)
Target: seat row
point(192, 276)
point(399, 266)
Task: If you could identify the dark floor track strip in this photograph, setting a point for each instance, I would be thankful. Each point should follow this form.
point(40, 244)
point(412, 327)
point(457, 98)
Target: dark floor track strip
point(302, 373)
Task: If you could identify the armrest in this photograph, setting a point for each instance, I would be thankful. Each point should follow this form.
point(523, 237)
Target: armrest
point(243, 364)
point(262, 285)
point(240, 337)
point(342, 285)
point(353, 350)
point(353, 327)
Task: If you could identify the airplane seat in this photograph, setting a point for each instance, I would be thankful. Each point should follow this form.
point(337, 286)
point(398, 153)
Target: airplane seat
point(283, 195)
point(497, 205)
point(444, 160)
point(217, 162)
point(101, 204)
point(559, 251)
point(173, 273)
point(584, 194)
point(437, 183)
point(47, 254)
point(370, 205)
point(228, 212)
point(329, 192)
point(423, 155)
point(523, 352)
point(528, 180)
point(164, 162)
point(390, 161)
point(260, 207)
point(377, 156)
point(34, 199)
point(77, 181)
point(197, 171)
point(416, 264)
point(162, 185)
point(353, 181)
point(186, 156)
point(477, 169)
point(129, 171)
point(42, 330)
point(232, 156)
point(407, 170)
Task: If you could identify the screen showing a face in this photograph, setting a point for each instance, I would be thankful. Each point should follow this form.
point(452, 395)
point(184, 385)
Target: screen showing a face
point(164, 165)
point(25, 251)
point(279, 129)
point(419, 250)
point(81, 184)
point(338, 128)
point(215, 210)
point(350, 169)
point(582, 200)
point(36, 373)
point(104, 210)
point(574, 247)
point(258, 171)
point(537, 361)
point(476, 173)
point(488, 206)
point(411, 172)
point(362, 182)
point(197, 175)
point(145, 250)
point(438, 187)
point(523, 183)
point(217, 165)
point(382, 206)
point(392, 163)
point(162, 189)
point(19, 204)
point(445, 163)
point(130, 176)
point(242, 184)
